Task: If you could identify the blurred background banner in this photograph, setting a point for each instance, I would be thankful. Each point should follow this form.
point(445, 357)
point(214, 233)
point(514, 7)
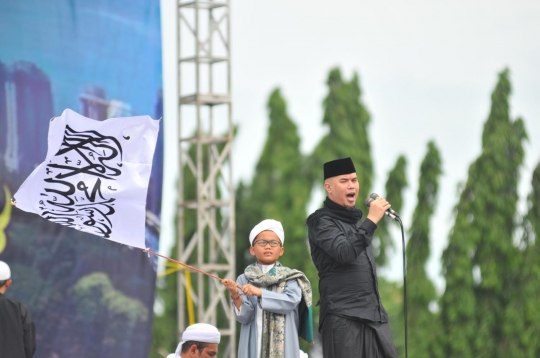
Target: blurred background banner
point(89, 297)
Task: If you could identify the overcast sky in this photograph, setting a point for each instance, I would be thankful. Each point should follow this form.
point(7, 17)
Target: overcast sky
point(427, 69)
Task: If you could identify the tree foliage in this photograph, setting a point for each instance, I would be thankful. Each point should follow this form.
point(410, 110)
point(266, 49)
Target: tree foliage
point(395, 185)
point(347, 120)
point(522, 324)
point(422, 322)
point(392, 298)
point(165, 334)
point(278, 190)
point(480, 260)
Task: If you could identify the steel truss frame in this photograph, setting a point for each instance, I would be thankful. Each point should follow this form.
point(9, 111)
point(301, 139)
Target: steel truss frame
point(205, 157)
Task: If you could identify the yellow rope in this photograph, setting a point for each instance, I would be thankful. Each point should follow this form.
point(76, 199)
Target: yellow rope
point(5, 216)
point(189, 298)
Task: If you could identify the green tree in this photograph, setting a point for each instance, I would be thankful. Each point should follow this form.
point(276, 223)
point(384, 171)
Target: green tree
point(421, 292)
point(165, 329)
point(278, 189)
point(248, 214)
point(392, 298)
point(522, 323)
point(347, 119)
point(396, 183)
point(480, 260)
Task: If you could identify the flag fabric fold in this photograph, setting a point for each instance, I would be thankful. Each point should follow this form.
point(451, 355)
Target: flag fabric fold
point(95, 176)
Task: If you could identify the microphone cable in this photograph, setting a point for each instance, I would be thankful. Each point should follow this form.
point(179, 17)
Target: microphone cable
point(404, 287)
point(394, 216)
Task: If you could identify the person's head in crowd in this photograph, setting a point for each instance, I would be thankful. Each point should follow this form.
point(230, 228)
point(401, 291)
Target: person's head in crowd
point(341, 182)
point(266, 239)
point(198, 340)
point(5, 277)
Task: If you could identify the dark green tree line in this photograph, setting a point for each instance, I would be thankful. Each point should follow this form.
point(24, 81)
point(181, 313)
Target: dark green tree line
point(480, 260)
point(421, 291)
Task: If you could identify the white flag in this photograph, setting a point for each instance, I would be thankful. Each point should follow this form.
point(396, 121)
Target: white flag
point(95, 176)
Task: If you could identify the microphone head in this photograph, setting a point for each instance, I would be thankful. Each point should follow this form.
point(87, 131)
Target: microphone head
point(368, 201)
point(374, 196)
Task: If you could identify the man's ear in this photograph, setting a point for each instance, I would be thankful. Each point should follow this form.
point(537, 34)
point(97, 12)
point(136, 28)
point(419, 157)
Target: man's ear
point(327, 187)
point(8, 283)
point(193, 351)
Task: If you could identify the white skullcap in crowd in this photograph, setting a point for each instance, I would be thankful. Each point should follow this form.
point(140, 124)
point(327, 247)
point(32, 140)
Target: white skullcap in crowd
point(267, 225)
point(198, 332)
point(5, 272)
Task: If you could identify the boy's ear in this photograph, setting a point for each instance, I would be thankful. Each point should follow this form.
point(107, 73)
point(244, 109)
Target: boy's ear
point(282, 251)
point(252, 250)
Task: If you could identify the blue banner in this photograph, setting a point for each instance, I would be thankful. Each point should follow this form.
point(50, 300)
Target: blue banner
point(89, 297)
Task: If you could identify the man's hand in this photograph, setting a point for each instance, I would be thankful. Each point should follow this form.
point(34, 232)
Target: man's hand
point(377, 209)
point(251, 290)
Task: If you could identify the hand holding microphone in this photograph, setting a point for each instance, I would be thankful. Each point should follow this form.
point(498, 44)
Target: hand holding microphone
point(378, 207)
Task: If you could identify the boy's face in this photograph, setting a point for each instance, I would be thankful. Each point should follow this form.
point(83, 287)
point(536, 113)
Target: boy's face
point(267, 254)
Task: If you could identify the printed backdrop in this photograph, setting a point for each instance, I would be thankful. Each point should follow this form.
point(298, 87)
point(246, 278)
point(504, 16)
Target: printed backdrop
point(89, 297)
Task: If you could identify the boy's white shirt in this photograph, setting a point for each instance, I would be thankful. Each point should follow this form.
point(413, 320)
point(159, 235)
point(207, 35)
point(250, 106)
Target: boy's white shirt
point(258, 317)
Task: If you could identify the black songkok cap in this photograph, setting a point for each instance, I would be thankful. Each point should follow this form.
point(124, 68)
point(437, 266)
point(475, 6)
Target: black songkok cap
point(338, 167)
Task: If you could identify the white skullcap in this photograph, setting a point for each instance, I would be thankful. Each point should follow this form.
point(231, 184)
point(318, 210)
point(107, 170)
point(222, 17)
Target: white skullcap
point(267, 225)
point(5, 272)
point(198, 332)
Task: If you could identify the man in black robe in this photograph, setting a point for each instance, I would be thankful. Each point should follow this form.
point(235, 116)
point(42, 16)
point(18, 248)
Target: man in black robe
point(353, 321)
point(17, 331)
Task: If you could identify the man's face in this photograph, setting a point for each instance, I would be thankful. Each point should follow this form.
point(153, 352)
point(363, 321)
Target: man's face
point(267, 254)
point(210, 351)
point(343, 189)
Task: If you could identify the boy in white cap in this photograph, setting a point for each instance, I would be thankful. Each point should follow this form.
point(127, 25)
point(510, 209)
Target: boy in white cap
point(272, 302)
point(17, 330)
point(198, 340)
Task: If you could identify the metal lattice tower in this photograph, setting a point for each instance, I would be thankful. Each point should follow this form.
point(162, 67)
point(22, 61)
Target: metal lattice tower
point(205, 187)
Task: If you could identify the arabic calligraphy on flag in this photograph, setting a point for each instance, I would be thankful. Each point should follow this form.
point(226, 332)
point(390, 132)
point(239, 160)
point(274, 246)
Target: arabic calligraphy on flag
point(95, 176)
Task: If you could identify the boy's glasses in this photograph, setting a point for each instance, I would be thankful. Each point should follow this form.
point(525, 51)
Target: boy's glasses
point(263, 243)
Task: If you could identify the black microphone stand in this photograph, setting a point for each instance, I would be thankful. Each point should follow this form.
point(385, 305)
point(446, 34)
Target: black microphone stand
point(404, 287)
point(393, 215)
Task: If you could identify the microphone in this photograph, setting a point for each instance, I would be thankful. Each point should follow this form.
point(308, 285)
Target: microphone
point(391, 213)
